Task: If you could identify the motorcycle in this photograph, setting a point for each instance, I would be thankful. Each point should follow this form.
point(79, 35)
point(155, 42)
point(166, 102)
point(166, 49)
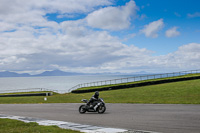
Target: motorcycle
point(99, 107)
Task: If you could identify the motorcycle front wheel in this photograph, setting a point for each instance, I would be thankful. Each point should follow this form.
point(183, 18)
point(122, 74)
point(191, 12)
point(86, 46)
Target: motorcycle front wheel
point(82, 109)
point(101, 109)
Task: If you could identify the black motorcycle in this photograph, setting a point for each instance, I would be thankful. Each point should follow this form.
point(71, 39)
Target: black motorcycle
point(99, 107)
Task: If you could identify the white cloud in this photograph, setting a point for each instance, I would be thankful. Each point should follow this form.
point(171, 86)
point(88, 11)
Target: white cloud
point(75, 48)
point(30, 42)
point(186, 57)
point(93, 51)
point(6, 26)
point(33, 12)
point(172, 32)
point(112, 18)
point(189, 54)
point(194, 15)
point(152, 28)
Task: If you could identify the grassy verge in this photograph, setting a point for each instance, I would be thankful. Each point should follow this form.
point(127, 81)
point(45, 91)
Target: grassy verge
point(15, 126)
point(184, 92)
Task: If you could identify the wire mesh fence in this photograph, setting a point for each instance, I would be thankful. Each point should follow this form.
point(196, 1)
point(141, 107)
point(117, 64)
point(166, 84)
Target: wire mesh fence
point(108, 82)
point(26, 90)
point(133, 79)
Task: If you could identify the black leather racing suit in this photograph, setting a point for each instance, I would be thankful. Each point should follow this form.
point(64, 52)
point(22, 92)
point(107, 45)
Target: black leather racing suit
point(93, 100)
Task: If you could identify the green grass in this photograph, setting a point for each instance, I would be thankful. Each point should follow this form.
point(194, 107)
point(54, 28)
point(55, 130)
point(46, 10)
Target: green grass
point(184, 92)
point(15, 126)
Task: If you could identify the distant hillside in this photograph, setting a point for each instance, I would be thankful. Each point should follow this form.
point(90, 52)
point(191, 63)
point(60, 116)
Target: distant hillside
point(13, 74)
point(46, 73)
point(58, 73)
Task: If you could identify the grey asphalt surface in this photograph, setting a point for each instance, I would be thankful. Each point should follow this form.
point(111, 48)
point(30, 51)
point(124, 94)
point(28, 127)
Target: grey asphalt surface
point(166, 118)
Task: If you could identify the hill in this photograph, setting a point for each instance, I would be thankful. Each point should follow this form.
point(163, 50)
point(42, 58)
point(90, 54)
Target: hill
point(58, 73)
point(46, 73)
point(13, 74)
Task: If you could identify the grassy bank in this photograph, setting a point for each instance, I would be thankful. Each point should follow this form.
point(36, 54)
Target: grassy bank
point(15, 126)
point(184, 92)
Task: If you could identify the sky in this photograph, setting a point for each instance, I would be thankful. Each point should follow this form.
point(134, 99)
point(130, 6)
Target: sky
point(97, 36)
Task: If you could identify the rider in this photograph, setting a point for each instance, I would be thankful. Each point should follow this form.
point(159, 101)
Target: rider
point(94, 99)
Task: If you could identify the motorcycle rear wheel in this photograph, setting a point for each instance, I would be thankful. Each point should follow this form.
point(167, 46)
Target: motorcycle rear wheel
point(101, 109)
point(82, 109)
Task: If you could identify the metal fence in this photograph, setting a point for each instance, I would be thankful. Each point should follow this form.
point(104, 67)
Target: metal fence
point(133, 79)
point(27, 90)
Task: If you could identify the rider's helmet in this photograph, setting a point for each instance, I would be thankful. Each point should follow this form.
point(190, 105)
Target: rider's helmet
point(96, 94)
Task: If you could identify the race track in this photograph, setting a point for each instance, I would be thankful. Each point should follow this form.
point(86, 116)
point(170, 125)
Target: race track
point(166, 118)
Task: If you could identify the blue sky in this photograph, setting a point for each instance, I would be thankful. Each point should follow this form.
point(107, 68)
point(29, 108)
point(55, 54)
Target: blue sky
point(99, 36)
point(173, 13)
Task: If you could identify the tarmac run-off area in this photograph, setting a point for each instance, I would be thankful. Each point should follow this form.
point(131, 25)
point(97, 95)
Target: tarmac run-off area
point(140, 118)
